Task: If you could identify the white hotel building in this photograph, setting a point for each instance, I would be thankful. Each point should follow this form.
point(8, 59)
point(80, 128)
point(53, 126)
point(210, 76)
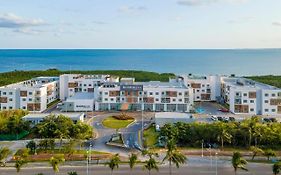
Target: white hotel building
point(245, 96)
point(70, 84)
point(32, 95)
point(147, 96)
point(204, 88)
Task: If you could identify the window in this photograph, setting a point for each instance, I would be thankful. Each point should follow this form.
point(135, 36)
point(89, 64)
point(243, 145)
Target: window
point(157, 99)
point(208, 85)
point(180, 93)
point(197, 97)
point(265, 101)
point(23, 107)
point(252, 101)
point(174, 99)
point(198, 90)
point(203, 85)
point(237, 94)
point(90, 85)
point(10, 93)
point(10, 99)
point(163, 93)
point(245, 94)
point(266, 110)
point(4, 107)
point(245, 101)
point(4, 93)
point(266, 95)
point(29, 93)
point(105, 93)
point(105, 99)
point(252, 109)
point(30, 99)
point(70, 90)
point(273, 95)
point(10, 107)
point(273, 110)
point(85, 84)
point(112, 99)
point(156, 93)
point(150, 93)
point(203, 90)
point(24, 99)
point(180, 100)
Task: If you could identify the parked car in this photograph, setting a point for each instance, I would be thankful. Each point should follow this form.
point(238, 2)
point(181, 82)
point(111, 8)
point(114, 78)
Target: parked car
point(223, 110)
point(214, 118)
point(266, 120)
point(220, 118)
point(273, 119)
point(232, 119)
point(225, 119)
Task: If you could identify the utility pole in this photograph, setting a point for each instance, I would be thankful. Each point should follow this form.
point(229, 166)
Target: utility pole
point(202, 153)
point(216, 163)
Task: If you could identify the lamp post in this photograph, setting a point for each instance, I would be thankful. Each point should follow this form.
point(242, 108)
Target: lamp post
point(216, 163)
point(202, 153)
point(89, 156)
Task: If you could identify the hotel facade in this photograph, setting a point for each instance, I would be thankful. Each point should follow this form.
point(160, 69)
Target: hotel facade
point(33, 95)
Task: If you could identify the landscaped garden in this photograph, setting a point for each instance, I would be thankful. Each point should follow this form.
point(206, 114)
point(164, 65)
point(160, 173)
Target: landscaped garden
point(118, 122)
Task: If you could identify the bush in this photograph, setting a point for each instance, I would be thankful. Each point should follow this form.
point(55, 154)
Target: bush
point(123, 116)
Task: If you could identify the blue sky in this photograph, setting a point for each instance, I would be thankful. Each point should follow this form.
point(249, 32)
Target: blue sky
point(140, 23)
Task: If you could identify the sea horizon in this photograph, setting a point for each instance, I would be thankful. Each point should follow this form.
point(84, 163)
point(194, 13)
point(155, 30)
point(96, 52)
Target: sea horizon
point(242, 62)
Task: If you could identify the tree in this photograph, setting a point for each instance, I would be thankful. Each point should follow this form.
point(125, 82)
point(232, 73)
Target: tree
point(223, 135)
point(256, 151)
point(132, 161)
point(151, 164)
point(19, 163)
point(31, 146)
point(21, 158)
point(276, 168)
point(56, 161)
point(269, 153)
point(72, 173)
point(174, 156)
point(114, 163)
point(4, 153)
point(238, 162)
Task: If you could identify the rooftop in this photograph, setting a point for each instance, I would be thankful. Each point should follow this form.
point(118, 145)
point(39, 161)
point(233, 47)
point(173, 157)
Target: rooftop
point(240, 82)
point(33, 83)
point(43, 115)
point(82, 96)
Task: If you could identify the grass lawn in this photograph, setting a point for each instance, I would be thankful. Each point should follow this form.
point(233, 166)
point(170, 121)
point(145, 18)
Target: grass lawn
point(113, 123)
point(150, 137)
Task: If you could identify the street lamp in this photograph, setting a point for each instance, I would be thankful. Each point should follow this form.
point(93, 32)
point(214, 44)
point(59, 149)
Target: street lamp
point(202, 154)
point(89, 155)
point(216, 163)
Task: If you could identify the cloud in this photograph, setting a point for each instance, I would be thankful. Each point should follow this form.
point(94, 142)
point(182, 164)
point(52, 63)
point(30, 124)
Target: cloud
point(277, 24)
point(28, 31)
point(10, 20)
point(241, 20)
point(206, 2)
point(131, 9)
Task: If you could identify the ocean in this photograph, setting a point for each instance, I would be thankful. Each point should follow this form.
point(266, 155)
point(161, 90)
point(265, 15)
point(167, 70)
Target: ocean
point(233, 61)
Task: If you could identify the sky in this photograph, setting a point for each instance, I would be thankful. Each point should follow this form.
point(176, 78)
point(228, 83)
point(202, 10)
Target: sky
point(140, 24)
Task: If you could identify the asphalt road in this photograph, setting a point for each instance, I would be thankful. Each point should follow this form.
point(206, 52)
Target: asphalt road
point(191, 169)
point(130, 136)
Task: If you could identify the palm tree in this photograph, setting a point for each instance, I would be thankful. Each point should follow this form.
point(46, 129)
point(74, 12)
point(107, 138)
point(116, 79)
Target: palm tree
point(4, 153)
point(151, 164)
point(269, 153)
point(114, 163)
point(72, 173)
point(238, 162)
point(19, 163)
point(174, 156)
point(56, 161)
point(132, 161)
point(223, 135)
point(256, 151)
point(276, 168)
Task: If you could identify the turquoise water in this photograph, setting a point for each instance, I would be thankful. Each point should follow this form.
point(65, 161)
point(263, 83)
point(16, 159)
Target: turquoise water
point(240, 62)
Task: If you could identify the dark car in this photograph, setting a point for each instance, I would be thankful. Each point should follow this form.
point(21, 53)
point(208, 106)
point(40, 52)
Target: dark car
point(232, 119)
point(223, 110)
point(266, 120)
point(273, 119)
point(220, 119)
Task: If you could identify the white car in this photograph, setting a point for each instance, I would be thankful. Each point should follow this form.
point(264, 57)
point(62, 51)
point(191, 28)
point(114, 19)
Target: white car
point(214, 118)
